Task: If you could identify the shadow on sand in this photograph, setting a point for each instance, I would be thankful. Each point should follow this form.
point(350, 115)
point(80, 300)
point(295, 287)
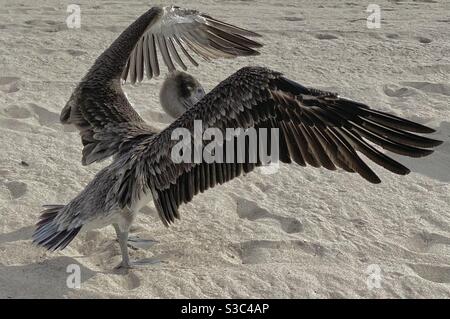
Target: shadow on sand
point(40, 280)
point(48, 278)
point(20, 234)
point(437, 165)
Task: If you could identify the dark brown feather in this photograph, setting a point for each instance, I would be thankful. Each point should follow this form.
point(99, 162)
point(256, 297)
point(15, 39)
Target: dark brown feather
point(315, 127)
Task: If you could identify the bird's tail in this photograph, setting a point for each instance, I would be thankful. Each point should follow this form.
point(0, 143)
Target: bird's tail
point(48, 231)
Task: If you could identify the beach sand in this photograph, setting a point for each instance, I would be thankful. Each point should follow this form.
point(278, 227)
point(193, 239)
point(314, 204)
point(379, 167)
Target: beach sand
point(300, 233)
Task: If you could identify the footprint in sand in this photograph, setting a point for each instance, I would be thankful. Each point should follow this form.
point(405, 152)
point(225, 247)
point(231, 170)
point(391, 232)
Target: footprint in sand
point(252, 211)
point(293, 19)
point(424, 40)
point(9, 84)
point(46, 51)
point(428, 87)
point(17, 189)
point(438, 274)
point(130, 281)
point(263, 187)
point(325, 36)
point(431, 69)
point(75, 52)
point(270, 251)
point(46, 25)
point(393, 90)
point(44, 116)
point(393, 36)
point(425, 241)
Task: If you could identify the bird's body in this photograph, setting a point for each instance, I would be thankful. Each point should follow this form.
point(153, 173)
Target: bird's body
point(108, 124)
point(316, 128)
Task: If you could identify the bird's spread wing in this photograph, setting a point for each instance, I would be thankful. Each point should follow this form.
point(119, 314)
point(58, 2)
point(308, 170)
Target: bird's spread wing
point(178, 31)
point(99, 108)
point(316, 128)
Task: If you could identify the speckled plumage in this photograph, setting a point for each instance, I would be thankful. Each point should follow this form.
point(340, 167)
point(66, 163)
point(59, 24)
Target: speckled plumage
point(316, 128)
point(108, 124)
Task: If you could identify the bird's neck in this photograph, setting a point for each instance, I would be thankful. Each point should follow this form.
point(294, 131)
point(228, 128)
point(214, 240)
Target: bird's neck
point(170, 100)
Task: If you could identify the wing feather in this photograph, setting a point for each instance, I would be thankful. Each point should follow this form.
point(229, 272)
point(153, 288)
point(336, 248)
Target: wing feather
point(175, 54)
point(315, 128)
point(153, 54)
point(202, 34)
point(185, 52)
point(165, 53)
point(148, 66)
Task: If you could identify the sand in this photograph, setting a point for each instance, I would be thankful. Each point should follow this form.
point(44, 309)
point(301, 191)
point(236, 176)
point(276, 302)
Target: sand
point(301, 233)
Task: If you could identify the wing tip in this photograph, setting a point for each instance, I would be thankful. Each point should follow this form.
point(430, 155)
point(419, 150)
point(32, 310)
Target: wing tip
point(424, 129)
point(253, 34)
point(435, 143)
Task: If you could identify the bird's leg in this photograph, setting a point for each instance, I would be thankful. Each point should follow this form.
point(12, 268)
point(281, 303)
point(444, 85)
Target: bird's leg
point(123, 242)
point(122, 236)
point(117, 229)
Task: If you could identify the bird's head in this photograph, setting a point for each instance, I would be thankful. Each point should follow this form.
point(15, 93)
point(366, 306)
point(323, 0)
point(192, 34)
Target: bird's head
point(180, 91)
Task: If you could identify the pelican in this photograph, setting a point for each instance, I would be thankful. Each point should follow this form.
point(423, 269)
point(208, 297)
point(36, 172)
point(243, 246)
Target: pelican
point(316, 128)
